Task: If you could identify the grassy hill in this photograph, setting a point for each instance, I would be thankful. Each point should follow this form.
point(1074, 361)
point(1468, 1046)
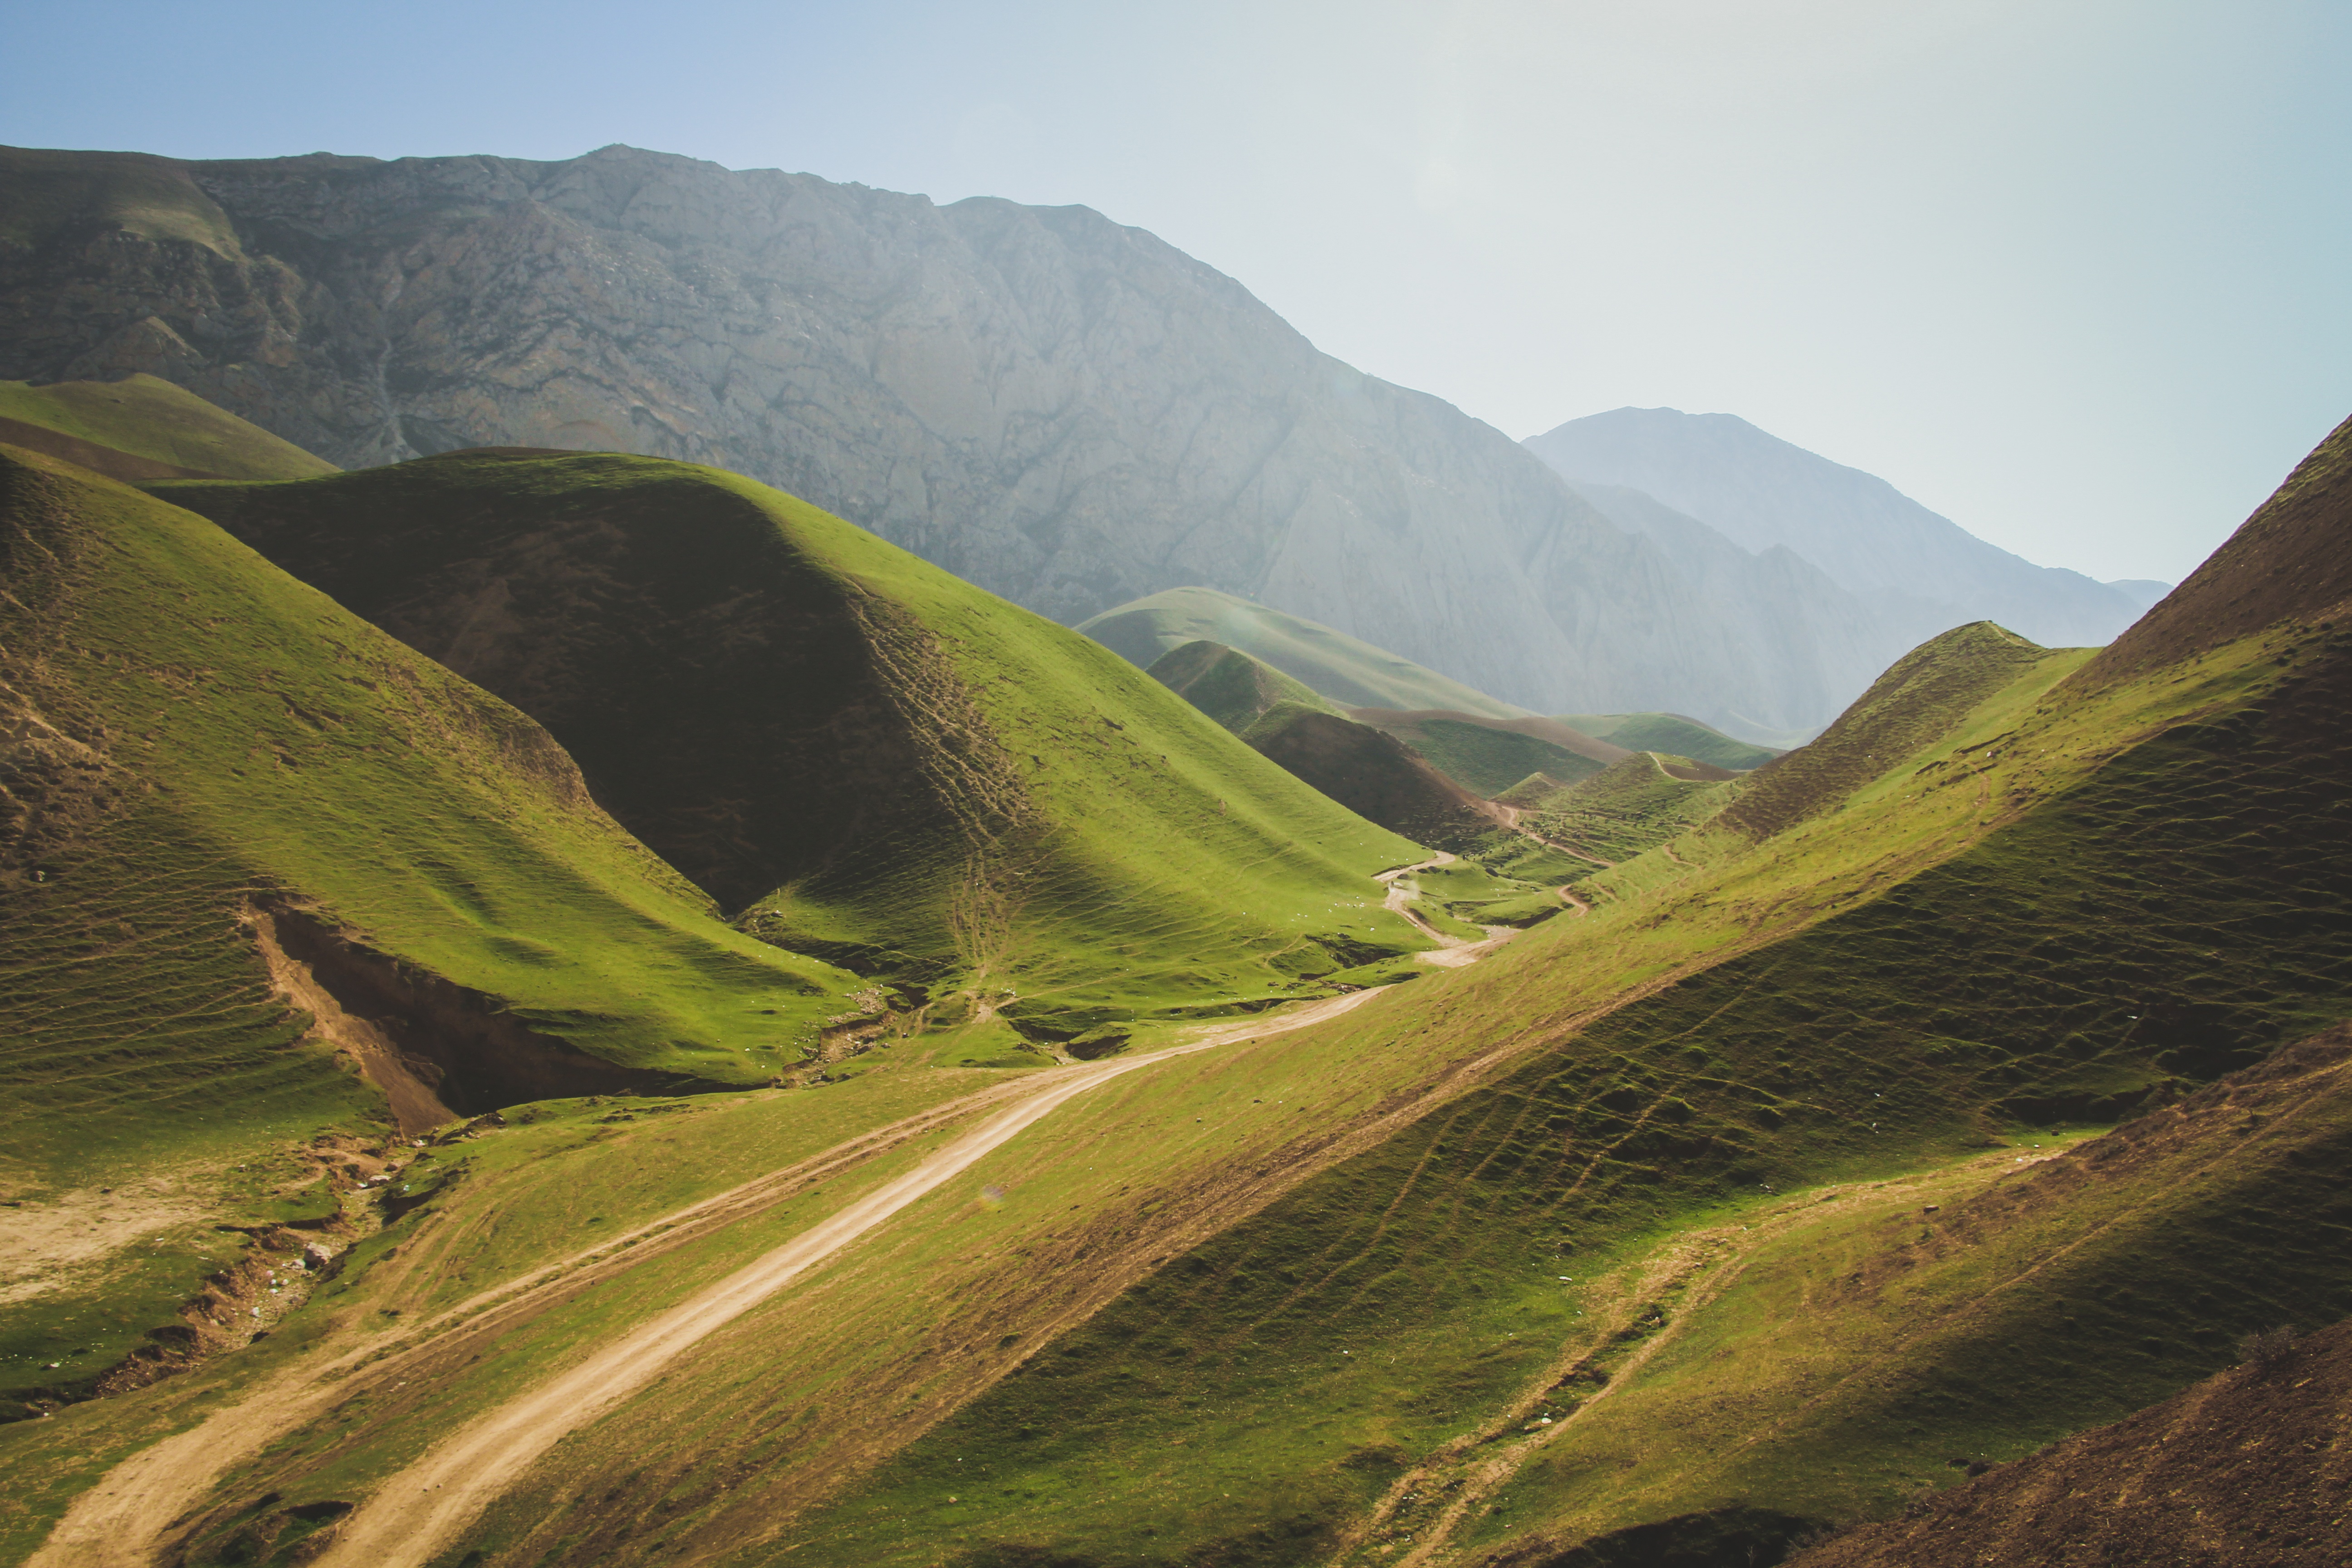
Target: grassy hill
point(1487, 756)
point(142, 427)
point(858, 755)
point(1648, 1274)
point(1368, 773)
point(1348, 670)
point(213, 769)
point(1231, 687)
point(1628, 808)
point(1673, 735)
point(1953, 1088)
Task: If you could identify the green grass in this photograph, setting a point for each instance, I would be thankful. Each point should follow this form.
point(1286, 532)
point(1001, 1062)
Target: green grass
point(1487, 762)
point(1671, 733)
point(206, 732)
point(1632, 807)
point(860, 755)
point(151, 419)
point(1431, 1260)
point(1348, 670)
point(1231, 687)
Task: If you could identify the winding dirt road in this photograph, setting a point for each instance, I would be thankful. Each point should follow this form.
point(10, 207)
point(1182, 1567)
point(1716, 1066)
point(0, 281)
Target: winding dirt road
point(123, 1521)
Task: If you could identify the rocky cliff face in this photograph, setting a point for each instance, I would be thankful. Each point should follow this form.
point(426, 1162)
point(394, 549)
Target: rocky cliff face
point(1065, 411)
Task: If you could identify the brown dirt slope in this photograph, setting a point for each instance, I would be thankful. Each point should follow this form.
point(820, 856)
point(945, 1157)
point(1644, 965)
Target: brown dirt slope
point(1375, 775)
point(1918, 700)
point(2292, 557)
point(2250, 1468)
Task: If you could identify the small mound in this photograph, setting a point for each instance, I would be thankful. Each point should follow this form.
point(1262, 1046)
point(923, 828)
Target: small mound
point(1344, 669)
point(1373, 774)
point(1918, 700)
point(1487, 755)
point(1673, 734)
point(2292, 557)
point(1229, 686)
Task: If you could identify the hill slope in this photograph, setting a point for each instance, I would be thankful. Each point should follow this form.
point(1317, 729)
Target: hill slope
point(1229, 687)
point(1348, 670)
point(856, 752)
point(142, 427)
point(1674, 734)
point(253, 851)
point(1488, 756)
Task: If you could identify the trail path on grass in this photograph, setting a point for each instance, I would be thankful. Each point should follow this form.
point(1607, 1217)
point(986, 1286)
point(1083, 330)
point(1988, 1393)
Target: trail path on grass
point(1689, 1272)
point(1453, 952)
point(124, 1521)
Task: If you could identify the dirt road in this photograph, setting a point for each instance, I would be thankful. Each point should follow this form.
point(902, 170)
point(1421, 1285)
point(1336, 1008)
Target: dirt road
point(1453, 952)
point(122, 1521)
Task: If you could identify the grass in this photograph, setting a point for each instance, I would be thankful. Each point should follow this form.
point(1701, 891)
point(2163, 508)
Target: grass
point(207, 732)
point(1432, 1259)
point(1631, 807)
point(860, 755)
point(151, 419)
point(1217, 1310)
point(1231, 687)
point(1487, 762)
point(1346, 670)
point(1674, 734)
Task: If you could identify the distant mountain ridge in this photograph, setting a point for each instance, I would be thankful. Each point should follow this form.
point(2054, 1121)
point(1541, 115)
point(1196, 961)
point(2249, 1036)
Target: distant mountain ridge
point(1919, 571)
point(1061, 409)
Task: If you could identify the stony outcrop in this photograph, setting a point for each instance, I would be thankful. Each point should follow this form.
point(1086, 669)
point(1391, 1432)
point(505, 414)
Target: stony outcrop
point(1063, 410)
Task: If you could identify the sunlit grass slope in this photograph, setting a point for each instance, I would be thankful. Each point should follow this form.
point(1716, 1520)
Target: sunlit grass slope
point(858, 754)
point(194, 731)
point(192, 735)
point(1231, 687)
point(2054, 905)
point(143, 428)
point(1348, 670)
point(1629, 808)
point(1674, 734)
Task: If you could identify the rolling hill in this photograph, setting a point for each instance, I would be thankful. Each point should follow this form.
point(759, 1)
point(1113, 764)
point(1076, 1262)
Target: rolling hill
point(255, 852)
point(857, 755)
point(1348, 670)
point(1673, 735)
point(1488, 756)
point(142, 427)
point(1971, 1078)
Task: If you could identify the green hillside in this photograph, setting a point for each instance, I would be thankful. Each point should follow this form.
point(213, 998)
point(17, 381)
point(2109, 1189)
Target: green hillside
point(204, 752)
point(857, 754)
point(1487, 756)
point(2057, 906)
point(1348, 670)
point(1231, 687)
point(1627, 809)
point(1972, 1076)
point(145, 428)
point(1674, 734)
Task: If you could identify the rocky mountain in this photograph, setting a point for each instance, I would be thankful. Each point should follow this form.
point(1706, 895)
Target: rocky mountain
point(1917, 572)
point(1065, 411)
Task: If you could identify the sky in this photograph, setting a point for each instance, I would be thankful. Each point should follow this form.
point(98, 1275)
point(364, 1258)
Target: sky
point(2071, 273)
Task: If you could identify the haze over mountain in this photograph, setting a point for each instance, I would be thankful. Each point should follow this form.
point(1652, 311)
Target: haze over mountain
point(1919, 573)
point(1068, 412)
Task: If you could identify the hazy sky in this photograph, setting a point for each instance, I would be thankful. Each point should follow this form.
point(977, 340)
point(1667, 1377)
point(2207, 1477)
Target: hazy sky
point(2070, 272)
